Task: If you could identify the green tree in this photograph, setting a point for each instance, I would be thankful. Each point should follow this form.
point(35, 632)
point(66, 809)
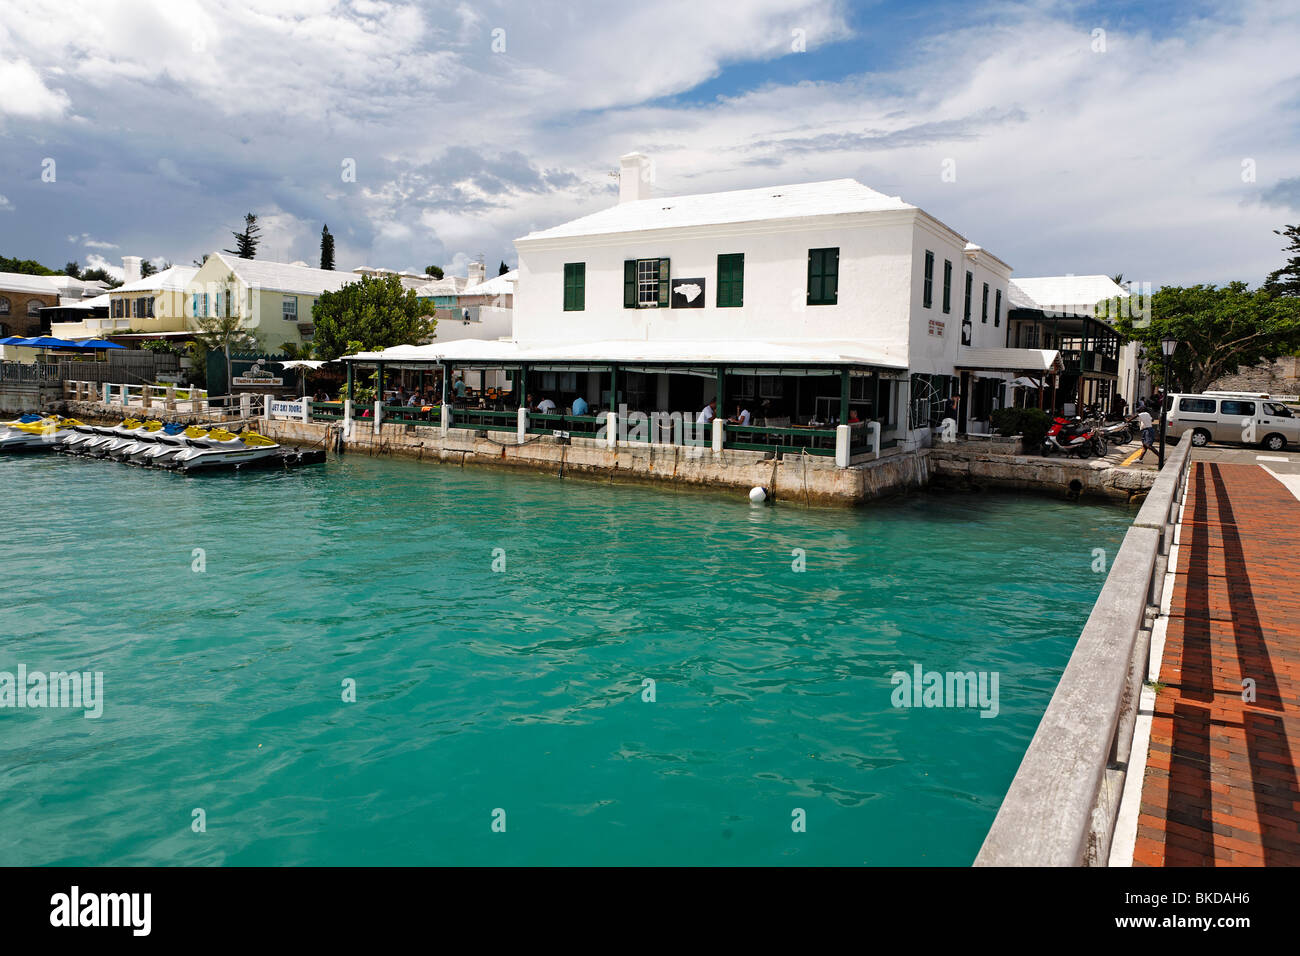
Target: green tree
point(101, 275)
point(434, 271)
point(326, 249)
point(202, 262)
point(26, 266)
point(370, 314)
point(246, 241)
point(72, 269)
point(503, 269)
point(1286, 280)
point(147, 268)
point(1218, 328)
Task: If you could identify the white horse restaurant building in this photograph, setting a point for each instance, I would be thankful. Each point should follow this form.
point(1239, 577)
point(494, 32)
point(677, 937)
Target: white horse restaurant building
point(810, 306)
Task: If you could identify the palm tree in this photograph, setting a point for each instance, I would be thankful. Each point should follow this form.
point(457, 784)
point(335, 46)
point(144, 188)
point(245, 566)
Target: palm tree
point(225, 331)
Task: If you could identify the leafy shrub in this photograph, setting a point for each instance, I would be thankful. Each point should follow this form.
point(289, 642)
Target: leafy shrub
point(1030, 423)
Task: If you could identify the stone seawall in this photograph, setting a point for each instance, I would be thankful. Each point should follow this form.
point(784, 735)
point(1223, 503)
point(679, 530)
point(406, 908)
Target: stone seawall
point(808, 479)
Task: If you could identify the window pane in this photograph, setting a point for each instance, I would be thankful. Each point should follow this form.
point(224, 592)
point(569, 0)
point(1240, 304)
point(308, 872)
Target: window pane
point(1238, 408)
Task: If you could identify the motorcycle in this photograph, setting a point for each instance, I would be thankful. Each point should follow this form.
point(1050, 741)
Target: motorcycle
point(1081, 437)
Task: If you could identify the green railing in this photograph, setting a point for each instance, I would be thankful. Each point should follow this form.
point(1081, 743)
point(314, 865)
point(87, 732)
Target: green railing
point(412, 415)
point(485, 419)
point(326, 411)
point(792, 439)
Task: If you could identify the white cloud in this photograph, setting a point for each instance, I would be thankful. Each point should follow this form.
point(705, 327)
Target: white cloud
point(94, 261)
point(5, 204)
point(25, 93)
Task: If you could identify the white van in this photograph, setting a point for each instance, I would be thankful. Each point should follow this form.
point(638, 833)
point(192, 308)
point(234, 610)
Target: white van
point(1238, 417)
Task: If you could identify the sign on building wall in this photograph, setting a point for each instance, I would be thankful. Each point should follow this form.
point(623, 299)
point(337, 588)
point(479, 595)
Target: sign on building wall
point(688, 294)
point(936, 327)
point(287, 409)
point(255, 380)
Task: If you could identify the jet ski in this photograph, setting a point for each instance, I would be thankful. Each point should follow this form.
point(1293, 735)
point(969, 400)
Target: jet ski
point(223, 449)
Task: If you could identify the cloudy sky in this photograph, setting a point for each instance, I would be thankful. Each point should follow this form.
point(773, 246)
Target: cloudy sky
point(1158, 139)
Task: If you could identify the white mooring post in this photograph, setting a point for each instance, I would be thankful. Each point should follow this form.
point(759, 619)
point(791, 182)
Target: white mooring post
point(266, 411)
point(347, 418)
point(521, 429)
point(379, 413)
point(146, 397)
point(842, 440)
point(611, 429)
point(170, 400)
point(874, 428)
point(446, 419)
point(108, 393)
point(246, 405)
point(719, 427)
point(306, 409)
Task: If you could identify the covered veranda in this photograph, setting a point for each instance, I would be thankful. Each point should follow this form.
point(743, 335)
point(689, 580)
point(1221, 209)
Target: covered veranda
point(767, 397)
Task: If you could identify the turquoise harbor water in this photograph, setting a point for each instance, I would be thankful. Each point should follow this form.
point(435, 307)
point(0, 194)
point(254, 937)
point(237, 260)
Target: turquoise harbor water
point(519, 689)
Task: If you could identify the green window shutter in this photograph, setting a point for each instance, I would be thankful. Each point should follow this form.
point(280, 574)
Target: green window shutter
point(947, 286)
point(664, 291)
point(997, 309)
point(927, 294)
point(575, 276)
point(629, 283)
point(966, 313)
point(823, 276)
point(984, 307)
point(731, 281)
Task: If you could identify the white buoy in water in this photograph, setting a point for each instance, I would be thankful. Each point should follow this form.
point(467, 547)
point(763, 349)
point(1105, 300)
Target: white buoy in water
point(757, 495)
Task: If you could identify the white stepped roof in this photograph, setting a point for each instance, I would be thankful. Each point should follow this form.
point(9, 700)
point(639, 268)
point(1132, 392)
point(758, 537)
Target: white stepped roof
point(1063, 294)
point(833, 197)
point(22, 282)
point(173, 279)
point(1009, 360)
point(284, 277)
point(503, 284)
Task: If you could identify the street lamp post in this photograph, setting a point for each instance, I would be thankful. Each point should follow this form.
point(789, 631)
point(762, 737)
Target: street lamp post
point(1167, 345)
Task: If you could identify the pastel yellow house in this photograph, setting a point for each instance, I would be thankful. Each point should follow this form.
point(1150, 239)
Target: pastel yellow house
point(274, 299)
point(154, 304)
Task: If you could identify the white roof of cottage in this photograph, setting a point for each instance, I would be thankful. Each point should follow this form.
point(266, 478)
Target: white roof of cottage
point(22, 282)
point(635, 351)
point(173, 279)
point(285, 277)
point(447, 285)
point(833, 197)
point(503, 284)
point(1066, 294)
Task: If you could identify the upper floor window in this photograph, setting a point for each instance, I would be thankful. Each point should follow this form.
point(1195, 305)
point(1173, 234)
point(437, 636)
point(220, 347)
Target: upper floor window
point(34, 307)
point(575, 286)
point(927, 291)
point(289, 308)
point(965, 319)
point(947, 286)
point(997, 309)
point(731, 280)
point(984, 307)
point(823, 276)
point(645, 283)
point(4, 305)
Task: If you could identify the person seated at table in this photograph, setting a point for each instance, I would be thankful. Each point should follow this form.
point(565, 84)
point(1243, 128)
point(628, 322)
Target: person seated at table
point(414, 400)
point(853, 416)
point(546, 406)
point(706, 414)
point(579, 406)
point(742, 416)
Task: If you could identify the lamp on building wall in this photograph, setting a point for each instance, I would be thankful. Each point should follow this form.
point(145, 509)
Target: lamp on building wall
point(1168, 345)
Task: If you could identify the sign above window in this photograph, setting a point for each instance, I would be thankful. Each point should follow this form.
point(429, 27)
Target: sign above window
point(688, 293)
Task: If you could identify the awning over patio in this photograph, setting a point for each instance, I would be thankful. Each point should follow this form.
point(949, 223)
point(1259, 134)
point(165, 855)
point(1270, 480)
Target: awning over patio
point(634, 352)
point(1010, 360)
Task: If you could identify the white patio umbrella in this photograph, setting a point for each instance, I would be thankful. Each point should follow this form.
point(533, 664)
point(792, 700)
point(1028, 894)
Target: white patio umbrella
point(303, 365)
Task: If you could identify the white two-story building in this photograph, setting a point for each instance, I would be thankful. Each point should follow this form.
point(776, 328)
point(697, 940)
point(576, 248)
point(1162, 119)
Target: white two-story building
point(807, 305)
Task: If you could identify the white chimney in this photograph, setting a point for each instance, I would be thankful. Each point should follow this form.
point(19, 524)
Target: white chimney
point(477, 273)
point(130, 268)
point(634, 175)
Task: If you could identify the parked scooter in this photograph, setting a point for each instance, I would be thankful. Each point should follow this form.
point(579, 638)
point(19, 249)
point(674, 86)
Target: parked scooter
point(1080, 436)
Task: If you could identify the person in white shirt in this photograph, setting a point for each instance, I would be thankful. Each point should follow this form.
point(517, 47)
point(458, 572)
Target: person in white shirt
point(742, 416)
point(546, 406)
point(1148, 432)
point(706, 415)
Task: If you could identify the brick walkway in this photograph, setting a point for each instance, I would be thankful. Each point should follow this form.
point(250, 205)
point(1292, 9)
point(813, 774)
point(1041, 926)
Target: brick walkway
point(1221, 783)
